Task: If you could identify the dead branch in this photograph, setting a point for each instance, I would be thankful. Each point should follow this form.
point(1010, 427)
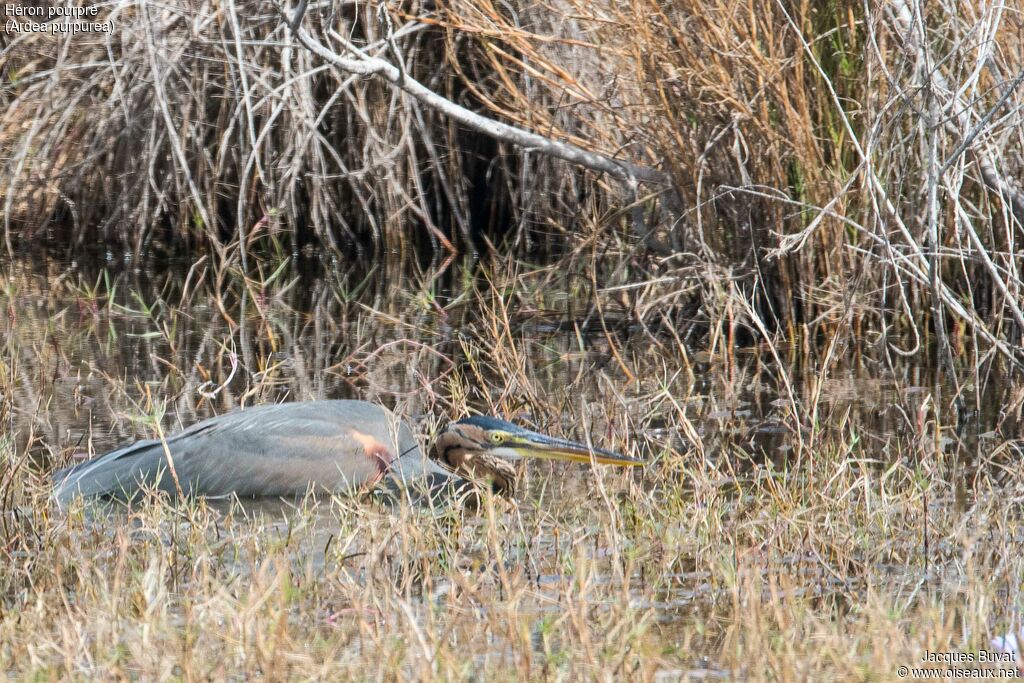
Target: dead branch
point(359, 62)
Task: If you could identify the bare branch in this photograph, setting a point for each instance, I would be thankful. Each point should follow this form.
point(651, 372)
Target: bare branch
point(366, 65)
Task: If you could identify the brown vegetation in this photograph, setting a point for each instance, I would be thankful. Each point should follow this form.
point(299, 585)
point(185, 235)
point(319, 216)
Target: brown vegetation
point(792, 524)
point(814, 330)
point(849, 165)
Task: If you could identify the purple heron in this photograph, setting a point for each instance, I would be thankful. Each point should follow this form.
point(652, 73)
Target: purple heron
point(289, 449)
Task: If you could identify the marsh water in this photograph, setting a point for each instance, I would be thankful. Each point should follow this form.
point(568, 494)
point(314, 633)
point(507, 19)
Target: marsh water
point(95, 354)
point(97, 359)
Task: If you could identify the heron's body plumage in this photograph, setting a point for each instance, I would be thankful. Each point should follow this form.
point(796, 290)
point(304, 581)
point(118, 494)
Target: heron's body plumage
point(271, 450)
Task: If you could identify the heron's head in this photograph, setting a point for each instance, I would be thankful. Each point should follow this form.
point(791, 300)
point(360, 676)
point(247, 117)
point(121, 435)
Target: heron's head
point(485, 434)
point(476, 446)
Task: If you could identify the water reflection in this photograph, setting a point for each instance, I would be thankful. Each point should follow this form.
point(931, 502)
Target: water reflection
point(95, 359)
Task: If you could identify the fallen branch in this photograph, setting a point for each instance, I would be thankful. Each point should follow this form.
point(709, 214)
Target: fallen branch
point(366, 65)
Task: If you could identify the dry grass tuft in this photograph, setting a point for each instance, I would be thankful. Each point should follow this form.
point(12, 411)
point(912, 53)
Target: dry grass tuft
point(838, 541)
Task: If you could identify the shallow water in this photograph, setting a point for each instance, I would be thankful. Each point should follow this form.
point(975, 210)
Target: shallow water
point(94, 361)
point(95, 357)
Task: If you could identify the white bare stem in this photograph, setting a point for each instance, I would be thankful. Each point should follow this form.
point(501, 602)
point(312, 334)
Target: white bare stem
point(359, 62)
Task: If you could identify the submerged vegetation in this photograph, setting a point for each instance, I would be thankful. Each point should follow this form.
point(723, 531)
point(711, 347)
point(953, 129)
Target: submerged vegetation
point(800, 298)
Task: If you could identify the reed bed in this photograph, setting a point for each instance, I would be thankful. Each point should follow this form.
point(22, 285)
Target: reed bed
point(751, 548)
point(847, 169)
point(804, 307)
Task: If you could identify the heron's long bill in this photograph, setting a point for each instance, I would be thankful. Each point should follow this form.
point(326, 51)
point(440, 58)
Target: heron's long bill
point(535, 445)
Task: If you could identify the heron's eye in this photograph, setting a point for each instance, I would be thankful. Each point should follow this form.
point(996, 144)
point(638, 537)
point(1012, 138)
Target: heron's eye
point(497, 437)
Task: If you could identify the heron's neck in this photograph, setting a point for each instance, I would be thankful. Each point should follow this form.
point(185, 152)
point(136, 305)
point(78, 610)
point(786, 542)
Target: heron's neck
point(453, 452)
point(449, 449)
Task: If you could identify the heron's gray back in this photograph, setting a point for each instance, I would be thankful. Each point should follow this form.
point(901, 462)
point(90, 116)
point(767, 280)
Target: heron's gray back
point(271, 450)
